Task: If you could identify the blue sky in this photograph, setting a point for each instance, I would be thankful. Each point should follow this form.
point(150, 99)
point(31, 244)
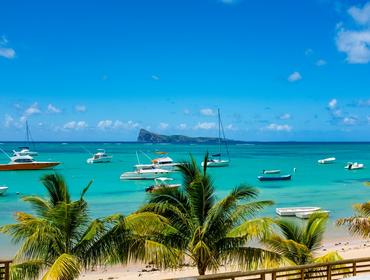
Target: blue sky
point(101, 70)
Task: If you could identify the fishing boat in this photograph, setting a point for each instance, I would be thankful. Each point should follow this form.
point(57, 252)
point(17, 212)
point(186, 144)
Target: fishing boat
point(327, 160)
point(25, 150)
point(276, 171)
point(275, 178)
point(293, 211)
point(216, 159)
point(3, 189)
point(307, 214)
point(162, 162)
point(354, 166)
point(161, 182)
point(99, 157)
point(19, 162)
point(149, 173)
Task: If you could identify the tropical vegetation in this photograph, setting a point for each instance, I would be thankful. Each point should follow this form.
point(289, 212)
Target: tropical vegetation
point(59, 238)
point(297, 243)
point(207, 231)
point(359, 224)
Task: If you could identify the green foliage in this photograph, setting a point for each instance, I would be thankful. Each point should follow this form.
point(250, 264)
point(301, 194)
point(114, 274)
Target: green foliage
point(297, 243)
point(207, 231)
point(359, 224)
point(61, 239)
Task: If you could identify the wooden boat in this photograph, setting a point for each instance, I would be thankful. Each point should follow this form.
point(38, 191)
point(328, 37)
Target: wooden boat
point(307, 214)
point(327, 160)
point(276, 171)
point(275, 178)
point(160, 183)
point(354, 166)
point(293, 211)
point(19, 162)
point(3, 189)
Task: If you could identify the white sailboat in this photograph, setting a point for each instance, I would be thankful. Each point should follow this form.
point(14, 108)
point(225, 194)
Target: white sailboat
point(25, 150)
point(216, 159)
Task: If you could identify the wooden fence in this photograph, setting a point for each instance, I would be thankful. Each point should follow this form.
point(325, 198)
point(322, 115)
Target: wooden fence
point(320, 271)
point(4, 270)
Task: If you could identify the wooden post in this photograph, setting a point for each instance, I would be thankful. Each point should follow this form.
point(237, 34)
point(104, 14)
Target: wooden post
point(263, 276)
point(354, 269)
point(273, 275)
point(302, 274)
point(328, 272)
point(6, 271)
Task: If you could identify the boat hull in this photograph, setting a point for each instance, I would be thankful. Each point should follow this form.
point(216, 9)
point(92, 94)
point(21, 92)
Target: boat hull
point(217, 163)
point(293, 211)
point(279, 178)
point(28, 166)
point(3, 190)
point(101, 160)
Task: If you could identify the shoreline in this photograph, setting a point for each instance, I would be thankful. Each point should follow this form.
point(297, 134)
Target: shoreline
point(348, 248)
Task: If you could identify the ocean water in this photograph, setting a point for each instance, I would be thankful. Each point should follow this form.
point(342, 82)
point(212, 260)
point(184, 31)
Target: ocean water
point(329, 186)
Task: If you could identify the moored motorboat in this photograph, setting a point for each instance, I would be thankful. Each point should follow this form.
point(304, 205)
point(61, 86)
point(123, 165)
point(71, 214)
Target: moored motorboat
point(99, 157)
point(273, 171)
point(354, 166)
point(327, 160)
point(293, 211)
point(275, 178)
point(145, 174)
point(19, 162)
point(3, 189)
point(164, 162)
point(160, 183)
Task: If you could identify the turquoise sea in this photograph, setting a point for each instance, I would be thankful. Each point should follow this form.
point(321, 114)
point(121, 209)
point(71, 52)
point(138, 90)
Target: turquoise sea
point(329, 186)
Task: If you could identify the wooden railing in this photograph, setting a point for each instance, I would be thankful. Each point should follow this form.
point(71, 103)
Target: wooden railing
point(4, 270)
point(324, 271)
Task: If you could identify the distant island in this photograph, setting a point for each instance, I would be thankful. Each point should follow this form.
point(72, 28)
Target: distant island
point(146, 136)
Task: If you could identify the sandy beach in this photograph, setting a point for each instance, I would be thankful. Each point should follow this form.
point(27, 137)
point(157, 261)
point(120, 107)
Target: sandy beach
point(347, 247)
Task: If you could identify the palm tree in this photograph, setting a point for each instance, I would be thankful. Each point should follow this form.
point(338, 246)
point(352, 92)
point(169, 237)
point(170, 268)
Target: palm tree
point(297, 243)
point(208, 231)
point(359, 224)
point(60, 239)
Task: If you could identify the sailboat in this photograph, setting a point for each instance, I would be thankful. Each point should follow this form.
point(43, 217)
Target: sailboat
point(216, 159)
point(25, 150)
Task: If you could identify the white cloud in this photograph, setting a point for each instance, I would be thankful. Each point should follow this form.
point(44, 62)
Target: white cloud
point(155, 77)
point(285, 116)
point(182, 126)
point(163, 125)
point(5, 51)
point(207, 112)
point(53, 109)
point(9, 120)
point(361, 15)
point(355, 44)
point(295, 76)
point(278, 127)
point(321, 62)
point(31, 110)
point(80, 108)
point(105, 124)
point(332, 104)
point(350, 120)
point(75, 125)
point(205, 125)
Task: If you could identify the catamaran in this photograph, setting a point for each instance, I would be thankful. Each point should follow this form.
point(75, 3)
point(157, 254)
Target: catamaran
point(25, 150)
point(99, 157)
point(216, 159)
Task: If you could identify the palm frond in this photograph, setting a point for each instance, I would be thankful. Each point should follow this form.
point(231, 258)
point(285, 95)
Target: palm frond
point(65, 267)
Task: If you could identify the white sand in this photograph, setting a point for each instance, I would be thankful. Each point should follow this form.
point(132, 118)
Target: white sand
point(347, 247)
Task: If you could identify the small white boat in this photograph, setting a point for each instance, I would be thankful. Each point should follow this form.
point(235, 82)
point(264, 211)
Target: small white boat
point(99, 157)
point(292, 211)
point(354, 166)
point(24, 151)
point(3, 189)
point(145, 174)
point(307, 214)
point(161, 182)
point(327, 160)
point(161, 162)
point(213, 162)
point(276, 171)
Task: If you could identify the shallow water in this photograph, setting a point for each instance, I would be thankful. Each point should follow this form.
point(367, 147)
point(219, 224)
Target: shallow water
point(328, 186)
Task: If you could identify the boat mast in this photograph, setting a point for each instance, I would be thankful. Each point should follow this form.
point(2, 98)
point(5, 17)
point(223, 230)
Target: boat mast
point(223, 134)
point(219, 131)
